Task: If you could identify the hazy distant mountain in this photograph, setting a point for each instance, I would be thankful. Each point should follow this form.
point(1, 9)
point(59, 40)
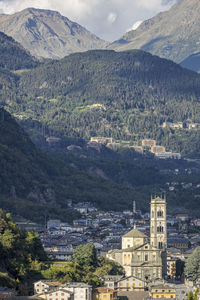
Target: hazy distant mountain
point(48, 34)
point(173, 34)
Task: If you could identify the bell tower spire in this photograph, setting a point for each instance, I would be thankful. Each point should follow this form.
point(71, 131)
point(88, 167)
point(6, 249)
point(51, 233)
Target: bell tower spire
point(158, 228)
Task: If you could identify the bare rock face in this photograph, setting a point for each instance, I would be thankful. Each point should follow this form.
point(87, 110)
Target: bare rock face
point(48, 34)
point(173, 34)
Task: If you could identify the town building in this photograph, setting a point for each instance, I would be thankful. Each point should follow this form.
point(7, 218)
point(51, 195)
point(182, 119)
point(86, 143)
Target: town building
point(148, 143)
point(101, 140)
point(158, 149)
point(163, 291)
point(53, 290)
point(167, 155)
point(59, 294)
point(43, 285)
point(103, 293)
point(140, 258)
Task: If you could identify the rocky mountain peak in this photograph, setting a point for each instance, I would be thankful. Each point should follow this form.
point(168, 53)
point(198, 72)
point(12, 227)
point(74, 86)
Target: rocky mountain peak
point(48, 34)
point(173, 34)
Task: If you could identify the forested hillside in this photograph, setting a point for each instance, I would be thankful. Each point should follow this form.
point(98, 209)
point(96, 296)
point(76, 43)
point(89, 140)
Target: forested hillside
point(125, 95)
point(13, 56)
point(34, 184)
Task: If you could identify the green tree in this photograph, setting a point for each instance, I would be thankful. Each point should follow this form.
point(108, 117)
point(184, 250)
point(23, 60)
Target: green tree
point(190, 296)
point(192, 266)
point(85, 255)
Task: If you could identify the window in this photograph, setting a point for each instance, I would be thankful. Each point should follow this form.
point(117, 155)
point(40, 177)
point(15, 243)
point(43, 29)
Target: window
point(160, 229)
point(160, 213)
point(160, 245)
point(146, 257)
point(38, 290)
point(62, 294)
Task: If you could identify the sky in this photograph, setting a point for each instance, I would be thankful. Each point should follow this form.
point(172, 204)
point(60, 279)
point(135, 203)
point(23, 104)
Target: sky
point(108, 19)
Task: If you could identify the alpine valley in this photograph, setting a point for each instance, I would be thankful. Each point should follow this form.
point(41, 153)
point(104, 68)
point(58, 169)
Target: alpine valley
point(126, 96)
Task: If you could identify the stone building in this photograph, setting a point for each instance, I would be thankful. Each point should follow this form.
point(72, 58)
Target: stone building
point(139, 257)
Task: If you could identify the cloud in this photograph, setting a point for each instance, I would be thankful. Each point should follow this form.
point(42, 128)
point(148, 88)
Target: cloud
point(108, 19)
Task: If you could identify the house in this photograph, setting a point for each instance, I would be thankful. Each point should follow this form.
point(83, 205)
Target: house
point(53, 290)
point(43, 285)
point(80, 290)
point(171, 267)
point(103, 293)
point(131, 284)
point(179, 243)
point(110, 281)
point(162, 291)
point(59, 294)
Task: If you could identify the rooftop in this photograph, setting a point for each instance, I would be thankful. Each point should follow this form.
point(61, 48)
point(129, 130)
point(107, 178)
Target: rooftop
point(134, 233)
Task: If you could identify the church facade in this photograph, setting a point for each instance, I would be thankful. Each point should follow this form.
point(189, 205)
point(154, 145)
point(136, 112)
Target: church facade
point(140, 257)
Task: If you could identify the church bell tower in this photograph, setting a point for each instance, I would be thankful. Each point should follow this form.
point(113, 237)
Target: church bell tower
point(158, 228)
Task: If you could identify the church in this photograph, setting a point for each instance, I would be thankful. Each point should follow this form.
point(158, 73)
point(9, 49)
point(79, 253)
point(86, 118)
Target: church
point(140, 257)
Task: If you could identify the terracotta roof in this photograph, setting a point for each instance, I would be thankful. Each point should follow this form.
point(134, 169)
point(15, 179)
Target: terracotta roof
point(133, 295)
point(53, 283)
point(102, 289)
point(134, 233)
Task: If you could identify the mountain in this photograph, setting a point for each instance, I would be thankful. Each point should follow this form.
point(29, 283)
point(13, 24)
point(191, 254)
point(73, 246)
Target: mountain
point(48, 34)
point(173, 34)
point(123, 95)
point(13, 56)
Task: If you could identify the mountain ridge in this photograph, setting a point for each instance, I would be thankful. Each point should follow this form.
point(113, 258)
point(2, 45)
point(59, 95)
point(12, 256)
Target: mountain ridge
point(123, 95)
point(172, 34)
point(48, 34)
